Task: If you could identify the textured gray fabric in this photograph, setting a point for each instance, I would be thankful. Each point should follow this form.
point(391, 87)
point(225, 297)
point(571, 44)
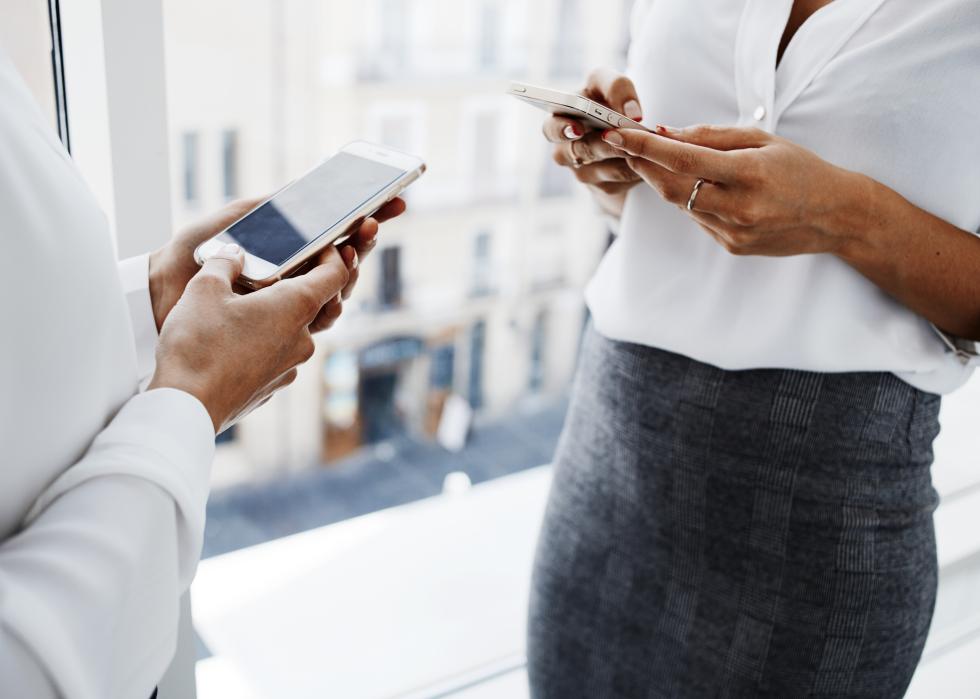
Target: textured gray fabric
point(734, 534)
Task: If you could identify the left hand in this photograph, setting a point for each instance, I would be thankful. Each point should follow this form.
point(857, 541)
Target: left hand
point(763, 195)
point(173, 266)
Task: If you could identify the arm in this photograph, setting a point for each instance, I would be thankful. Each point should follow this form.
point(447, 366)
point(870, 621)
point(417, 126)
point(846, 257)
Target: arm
point(89, 589)
point(923, 261)
point(767, 196)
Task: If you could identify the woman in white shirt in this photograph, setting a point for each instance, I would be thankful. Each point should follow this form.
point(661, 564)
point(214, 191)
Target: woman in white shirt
point(742, 502)
point(103, 487)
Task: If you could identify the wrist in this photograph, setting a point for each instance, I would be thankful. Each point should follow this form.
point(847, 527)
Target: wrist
point(187, 384)
point(851, 223)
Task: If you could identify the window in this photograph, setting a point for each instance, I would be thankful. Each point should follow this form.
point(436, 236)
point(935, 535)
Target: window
point(390, 292)
point(489, 44)
point(478, 342)
point(536, 379)
point(26, 37)
point(354, 435)
point(191, 182)
point(556, 181)
point(482, 264)
point(229, 163)
point(570, 41)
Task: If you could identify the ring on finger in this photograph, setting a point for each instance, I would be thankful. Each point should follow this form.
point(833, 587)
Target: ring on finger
point(577, 160)
point(695, 193)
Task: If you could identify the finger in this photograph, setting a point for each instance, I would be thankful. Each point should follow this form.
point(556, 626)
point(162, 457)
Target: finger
point(606, 172)
point(224, 267)
point(393, 209)
point(310, 292)
point(679, 189)
point(616, 91)
point(738, 240)
point(682, 158)
point(327, 317)
point(717, 137)
point(591, 149)
point(350, 257)
point(560, 129)
point(365, 239)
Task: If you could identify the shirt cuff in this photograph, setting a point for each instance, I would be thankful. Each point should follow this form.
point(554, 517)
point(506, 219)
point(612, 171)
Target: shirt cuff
point(134, 274)
point(163, 436)
point(967, 351)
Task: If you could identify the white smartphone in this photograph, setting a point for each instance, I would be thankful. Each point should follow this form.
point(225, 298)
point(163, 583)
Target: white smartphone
point(324, 207)
point(575, 106)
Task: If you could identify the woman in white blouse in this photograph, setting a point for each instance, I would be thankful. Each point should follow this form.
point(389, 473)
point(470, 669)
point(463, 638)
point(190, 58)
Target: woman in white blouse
point(742, 502)
point(103, 487)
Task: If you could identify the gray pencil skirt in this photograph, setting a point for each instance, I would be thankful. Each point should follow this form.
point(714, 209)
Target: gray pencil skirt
point(734, 534)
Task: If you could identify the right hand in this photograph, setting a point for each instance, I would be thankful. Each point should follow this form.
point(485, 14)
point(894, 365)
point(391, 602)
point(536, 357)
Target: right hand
point(595, 163)
point(234, 352)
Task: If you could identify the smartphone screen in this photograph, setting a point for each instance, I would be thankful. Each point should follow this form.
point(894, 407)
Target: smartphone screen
point(311, 206)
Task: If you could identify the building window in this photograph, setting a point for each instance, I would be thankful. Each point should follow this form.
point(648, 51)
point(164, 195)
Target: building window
point(478, 342)
point(390, 293)
point(569, 41)
point(539, 334)
point(482, 264)
point(556, 181)
point(486, 167)
point(229, 163)
point(191, 146)
point(394, 34)
point(489, 42)
point(443, 368)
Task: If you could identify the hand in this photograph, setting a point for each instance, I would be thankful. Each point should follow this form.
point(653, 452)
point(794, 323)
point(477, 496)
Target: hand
point(594, 162)
point(232, 352)
point(173, 266)
point(763, 195)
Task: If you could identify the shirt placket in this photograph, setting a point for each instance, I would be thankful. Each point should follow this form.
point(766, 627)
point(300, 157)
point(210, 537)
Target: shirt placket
point(757, 45)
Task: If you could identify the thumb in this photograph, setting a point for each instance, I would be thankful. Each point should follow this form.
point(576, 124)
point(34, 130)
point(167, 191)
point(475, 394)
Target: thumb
point(224, 266)
point(717, 137)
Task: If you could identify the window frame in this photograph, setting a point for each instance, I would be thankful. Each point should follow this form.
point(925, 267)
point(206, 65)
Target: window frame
point(113, 71)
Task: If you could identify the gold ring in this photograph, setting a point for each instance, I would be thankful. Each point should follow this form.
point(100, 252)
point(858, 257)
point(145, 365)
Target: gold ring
point(694, 194)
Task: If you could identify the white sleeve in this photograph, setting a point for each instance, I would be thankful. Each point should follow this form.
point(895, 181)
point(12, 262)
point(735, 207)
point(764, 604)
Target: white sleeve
point(90, 587)
point(134, 274)
point(967, 351)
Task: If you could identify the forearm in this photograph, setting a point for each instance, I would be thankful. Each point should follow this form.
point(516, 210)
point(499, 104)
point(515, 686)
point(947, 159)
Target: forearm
point(926, 263)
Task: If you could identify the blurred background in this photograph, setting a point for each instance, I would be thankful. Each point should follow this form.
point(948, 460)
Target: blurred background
point(371, 529)
point(469, 315)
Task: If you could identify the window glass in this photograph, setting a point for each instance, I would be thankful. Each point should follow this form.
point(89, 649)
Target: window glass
point(466, 301)
point(25, 36)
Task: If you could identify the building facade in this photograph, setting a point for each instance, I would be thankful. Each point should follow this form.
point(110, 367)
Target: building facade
point(476, 292)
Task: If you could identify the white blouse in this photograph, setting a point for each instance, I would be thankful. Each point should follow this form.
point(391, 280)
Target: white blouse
point(888, 88)
point(102, 489)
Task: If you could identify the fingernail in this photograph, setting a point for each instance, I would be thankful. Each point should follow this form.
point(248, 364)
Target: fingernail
point(633, 110)
point(356, 261)
point(667, 130)
point(613, 138)
point(231, 249)
point(573, 133)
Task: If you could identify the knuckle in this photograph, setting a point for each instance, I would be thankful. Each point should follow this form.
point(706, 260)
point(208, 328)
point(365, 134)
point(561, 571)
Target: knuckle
point(682, 162)
point(620, 84)
point(306, 348)
point(750, 167)
point(740, 243)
